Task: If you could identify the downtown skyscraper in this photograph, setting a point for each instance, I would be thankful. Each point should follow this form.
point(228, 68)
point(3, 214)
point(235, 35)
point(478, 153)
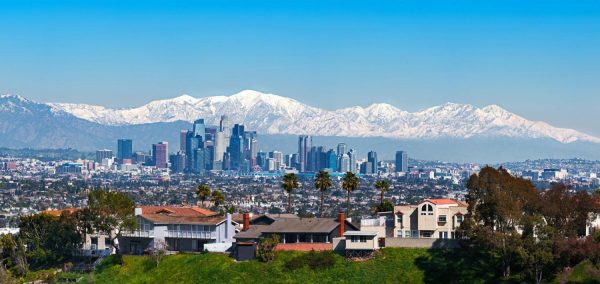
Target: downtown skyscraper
point(304, 145)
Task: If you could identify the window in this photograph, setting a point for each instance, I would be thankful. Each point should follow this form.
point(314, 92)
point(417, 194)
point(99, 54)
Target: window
point(399, 218)
point(399, 234)
point(426, 234)
point(363, 239)
point(442, 218)
point(426, 209)
point(415, 234)
point(407, 234)
point(441, 235)
point(459, 219)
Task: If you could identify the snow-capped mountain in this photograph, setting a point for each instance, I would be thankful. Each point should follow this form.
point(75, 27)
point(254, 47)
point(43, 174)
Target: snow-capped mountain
point(272, 114)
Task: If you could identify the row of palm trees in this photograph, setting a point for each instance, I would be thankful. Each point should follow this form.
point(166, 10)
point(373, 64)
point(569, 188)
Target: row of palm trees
point(204, 193)
point(323, 182)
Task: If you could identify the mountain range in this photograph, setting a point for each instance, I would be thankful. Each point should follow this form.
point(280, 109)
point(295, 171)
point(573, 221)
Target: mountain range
point(272, 114)
point(445, 129)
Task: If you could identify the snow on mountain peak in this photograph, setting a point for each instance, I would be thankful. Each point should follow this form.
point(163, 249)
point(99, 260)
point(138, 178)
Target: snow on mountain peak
point(272, 114)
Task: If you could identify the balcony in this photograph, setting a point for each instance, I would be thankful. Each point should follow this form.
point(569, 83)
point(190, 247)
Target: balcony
point(191, 234)
point(372, 223)
point(139, 234)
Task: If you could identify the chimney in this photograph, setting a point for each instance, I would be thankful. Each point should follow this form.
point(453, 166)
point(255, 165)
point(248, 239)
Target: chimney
point(342, 220)
point(246, 222)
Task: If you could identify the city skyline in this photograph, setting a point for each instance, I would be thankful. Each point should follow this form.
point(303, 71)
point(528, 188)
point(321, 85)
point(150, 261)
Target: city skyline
point(408, 54)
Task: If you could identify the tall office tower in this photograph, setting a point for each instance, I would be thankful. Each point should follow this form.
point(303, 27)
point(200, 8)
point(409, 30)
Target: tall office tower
point(192, 143)
point(315, 159)
point(225, 127)
point(182, 140)
point(124, 149)
point(294, 161)
point(304, 144)
point(199, 128)
point(199, 162)
point(209, 157)
point(177, 162)
point(287, 159)
point(342, 148)
point(401, 161)
point(220, 147)
point(261, 160)
point(250, 148)
point(159, 154)
point(344, 163)
point(331, 160)
point(278, 158)
point(352, 160)
point(366, 168)
point(372, 158)
point(236, 148)
point(103, 154)
point(209, 133)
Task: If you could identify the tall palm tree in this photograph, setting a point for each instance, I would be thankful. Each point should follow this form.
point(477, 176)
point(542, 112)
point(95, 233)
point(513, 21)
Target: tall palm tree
point(349, 183)
point(203, 193)
point(322, 183)
point(217, 198)
point(383, 186)
point(290, 182)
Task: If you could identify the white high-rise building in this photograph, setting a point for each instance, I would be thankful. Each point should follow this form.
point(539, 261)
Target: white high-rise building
point(352, 160)
point(344, 163)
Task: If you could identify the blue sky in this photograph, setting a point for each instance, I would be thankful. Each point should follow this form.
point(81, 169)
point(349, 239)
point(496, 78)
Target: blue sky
point(539, 59)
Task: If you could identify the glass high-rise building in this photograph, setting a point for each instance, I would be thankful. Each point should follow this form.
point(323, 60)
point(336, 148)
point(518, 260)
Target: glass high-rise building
point(372, 159)
point(159, 154)
point(124, 149)
point(401, 161)
point(304, 144)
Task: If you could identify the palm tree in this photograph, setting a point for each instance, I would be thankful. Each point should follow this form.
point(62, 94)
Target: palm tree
point(203, 193)
point(322, 183)
point(290, 182)
point(217, 198)
point(349, 183)
point(383, 186)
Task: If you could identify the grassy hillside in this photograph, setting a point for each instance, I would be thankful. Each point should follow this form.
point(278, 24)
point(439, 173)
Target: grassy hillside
point(389, 266)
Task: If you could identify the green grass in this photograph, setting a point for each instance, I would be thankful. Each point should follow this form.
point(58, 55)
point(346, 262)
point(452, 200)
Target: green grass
point(585, 272)
point(391, 265)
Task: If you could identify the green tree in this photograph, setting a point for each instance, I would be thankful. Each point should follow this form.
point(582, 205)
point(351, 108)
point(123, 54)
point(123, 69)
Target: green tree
point(322, 183)
point(350, 183)
point(383, 186)
point(385, 206)
point(537, 252)
point(290, 182)
point(218, 198)
point(49, 239)
point(203, 192)
point(115, 214)
point(497, 205)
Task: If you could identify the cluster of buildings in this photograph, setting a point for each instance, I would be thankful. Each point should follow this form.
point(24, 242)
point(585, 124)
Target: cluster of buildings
point(430, 223)
point(209, 149)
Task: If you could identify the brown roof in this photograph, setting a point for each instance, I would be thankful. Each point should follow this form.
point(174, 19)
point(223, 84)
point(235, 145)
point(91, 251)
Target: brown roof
point(304, 246)
point(177, 210)
point(193, 220)
point(254, 232)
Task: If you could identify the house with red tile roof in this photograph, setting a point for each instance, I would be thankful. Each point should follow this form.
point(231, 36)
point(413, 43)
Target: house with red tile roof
point(179, 228)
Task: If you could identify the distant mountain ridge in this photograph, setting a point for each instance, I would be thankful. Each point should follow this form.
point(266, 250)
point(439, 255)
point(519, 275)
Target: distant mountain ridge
point(25, 123)
point(272, 114)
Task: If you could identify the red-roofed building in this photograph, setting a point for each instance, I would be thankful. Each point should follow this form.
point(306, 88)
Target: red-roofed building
point(180, 228)
point(430, 218)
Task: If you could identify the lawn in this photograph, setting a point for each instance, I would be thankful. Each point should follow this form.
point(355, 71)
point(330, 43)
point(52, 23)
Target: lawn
point(391, 265)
